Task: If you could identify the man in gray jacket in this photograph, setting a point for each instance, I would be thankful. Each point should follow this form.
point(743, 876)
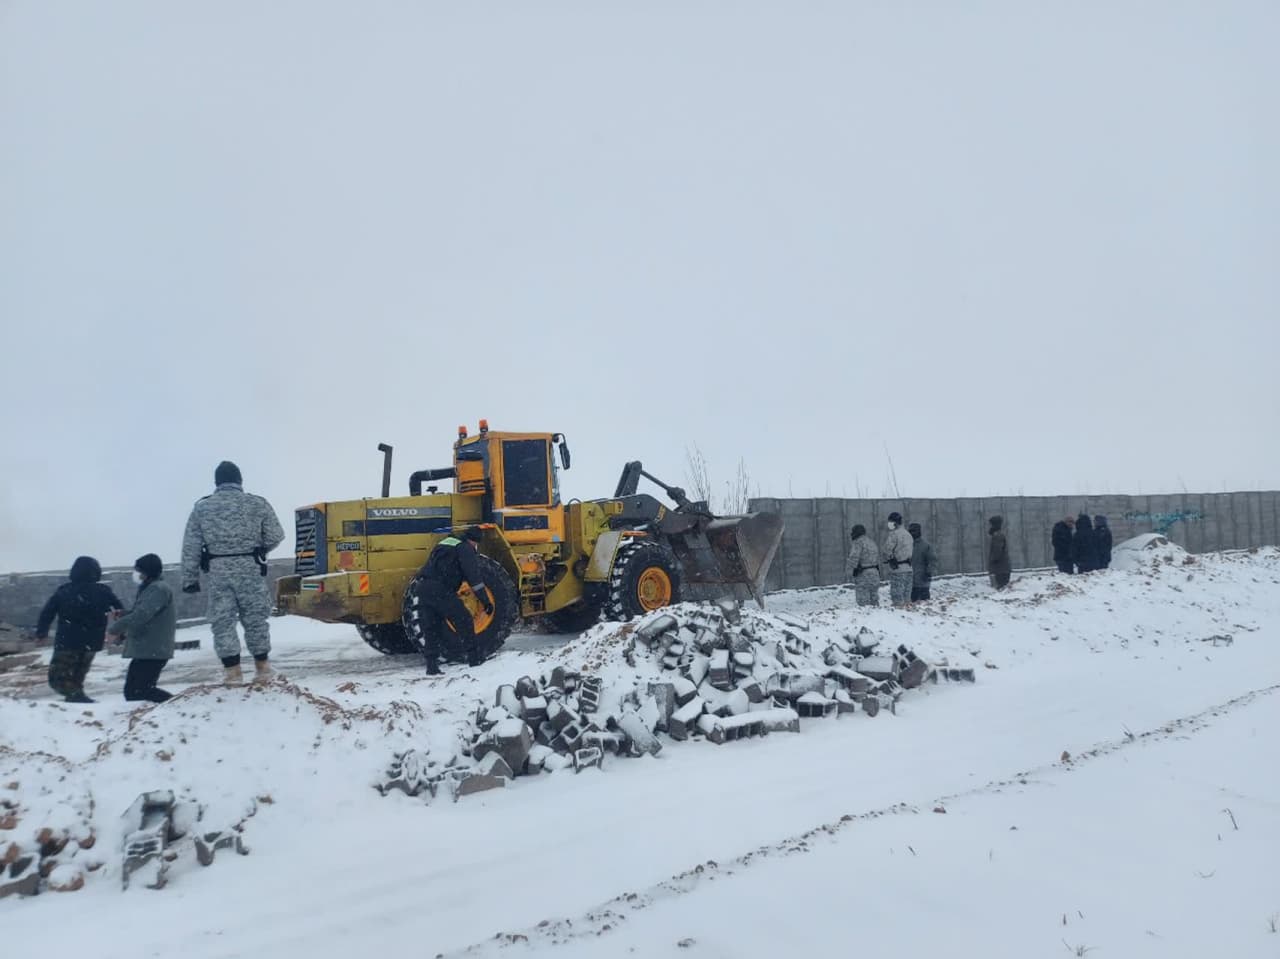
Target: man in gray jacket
point(897, 554)
point(149, 630)
point(229, 536)
point(862, 567)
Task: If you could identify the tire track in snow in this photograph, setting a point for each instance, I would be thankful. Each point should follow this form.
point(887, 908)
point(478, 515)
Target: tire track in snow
point(610, 915)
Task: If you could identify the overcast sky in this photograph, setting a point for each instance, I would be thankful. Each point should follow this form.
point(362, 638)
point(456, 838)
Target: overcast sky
point(1028, 247)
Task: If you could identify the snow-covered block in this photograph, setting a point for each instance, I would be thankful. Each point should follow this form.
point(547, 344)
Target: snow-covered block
point(545, 735)
point(697, 669)
point(729, 609)
point(538, 758)
point(587, 758)
point(853, 682)
point(953, 675)
point(494, 715)
point(208, 844)
point(796, 684)
point(534, 710)
point(845, 703)
point(561, 715)
point(723, 729)
point(864, 642)
point(569, 738)
point(555, 762)
point(684, 719)
point(871, 705)
point(638, 731)
point(611, 741)
point(877, 667)
point(408, 773)
point(506, 698)
point(526, 688)
point(514, 739)
point(779, 720)
point(815, 706)
point(719, 674)
point(793, 621)
point(648, 709)
point(589, 692)
point(649, 632)
point(663, 696)
point(684, 691)
point(466, 782)
point(494, 765)
point(22, 878)
point(735, 703)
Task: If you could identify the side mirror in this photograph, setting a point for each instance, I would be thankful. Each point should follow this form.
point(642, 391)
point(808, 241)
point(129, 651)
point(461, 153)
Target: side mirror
point(564, 454)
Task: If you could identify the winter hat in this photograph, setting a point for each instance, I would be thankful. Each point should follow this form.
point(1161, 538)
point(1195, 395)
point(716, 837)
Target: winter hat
point(1099, 521)
point(86, 569)
point(858, 530)
point(475, 534)
point(227, 472)
point(914, 530)
point(150, 566)
point(997, 522)
point(895, 518)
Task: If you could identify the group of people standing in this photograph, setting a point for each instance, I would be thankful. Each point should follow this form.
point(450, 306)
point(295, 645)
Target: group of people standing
point(228, 537)
point(1081, 544)
point(911, 560)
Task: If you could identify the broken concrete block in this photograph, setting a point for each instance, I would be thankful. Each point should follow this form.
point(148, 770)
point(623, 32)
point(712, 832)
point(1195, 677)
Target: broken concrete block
point(794, 621)
point(408, 773)
point(512, 739)
point(876, 667)
point(494, 765)
point(849, 679)
point(795, 684)
point(845, 703)
point(754, 692)
point(729, 609)
point(736, 703)
point(538, 758)
point(685, 690)
point(210, 843)
point(534, 710)
point(913, 675)
point(697, 669)
point(589, 694)
point(722, 729)
point(492, 716)
point(815, 706)
point(506, 698)
point(147, 826)
point(638, 732)
point(560, 716)
point(526, 688)
point(778, 720)
point(684, 720)
point(569, 738)
point(664, 700)
point(545, 734)
point(556, 761)
point(588, 758)
point(719, 674)
point(465, 782)
point(871, 705)
point(650, 631)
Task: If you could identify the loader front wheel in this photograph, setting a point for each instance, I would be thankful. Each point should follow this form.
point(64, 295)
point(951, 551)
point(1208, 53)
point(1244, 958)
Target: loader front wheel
point(491, 631)
point(573, 619)
point(388, 638)
point(644, 578)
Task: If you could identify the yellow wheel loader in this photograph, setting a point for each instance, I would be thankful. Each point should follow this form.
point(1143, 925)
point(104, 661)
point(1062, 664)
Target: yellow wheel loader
point(564, 564)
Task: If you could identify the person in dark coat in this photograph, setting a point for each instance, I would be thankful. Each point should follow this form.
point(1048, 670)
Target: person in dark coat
point(1062, 544)
point(149, 630)
point(1101, 542)
point(81, 608)
point(1083, 546)
point(924, 564)
point(998, 564)
point(450, 564)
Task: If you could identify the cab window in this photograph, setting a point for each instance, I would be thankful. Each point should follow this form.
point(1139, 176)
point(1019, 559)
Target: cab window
point(526, 473)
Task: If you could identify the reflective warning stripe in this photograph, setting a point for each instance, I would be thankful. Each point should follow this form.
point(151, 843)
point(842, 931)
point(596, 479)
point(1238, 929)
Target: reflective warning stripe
point(364, 584)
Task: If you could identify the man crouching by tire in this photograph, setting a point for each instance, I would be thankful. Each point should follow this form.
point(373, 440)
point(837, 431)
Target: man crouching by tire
point(450, 563)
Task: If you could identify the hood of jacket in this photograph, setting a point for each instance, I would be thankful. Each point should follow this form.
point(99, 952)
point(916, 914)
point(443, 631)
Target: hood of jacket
point(86, 569)
point(1083, 522)
point(997, 523)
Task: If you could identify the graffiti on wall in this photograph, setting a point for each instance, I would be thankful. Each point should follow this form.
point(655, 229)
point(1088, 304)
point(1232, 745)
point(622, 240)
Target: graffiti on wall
point(1163, 522)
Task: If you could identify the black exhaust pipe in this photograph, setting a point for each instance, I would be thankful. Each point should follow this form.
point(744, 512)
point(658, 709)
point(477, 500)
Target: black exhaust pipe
point(385, 450)
point(428, 476)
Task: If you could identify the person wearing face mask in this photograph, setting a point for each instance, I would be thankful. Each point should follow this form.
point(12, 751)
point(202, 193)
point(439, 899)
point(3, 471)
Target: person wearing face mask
point(896, 552)
point(149, 630)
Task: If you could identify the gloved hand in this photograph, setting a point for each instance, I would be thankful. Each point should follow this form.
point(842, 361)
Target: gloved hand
point(486, 603)
point(191, 588)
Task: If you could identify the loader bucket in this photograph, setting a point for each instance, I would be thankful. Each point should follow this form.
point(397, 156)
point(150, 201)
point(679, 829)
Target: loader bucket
point(729, 550)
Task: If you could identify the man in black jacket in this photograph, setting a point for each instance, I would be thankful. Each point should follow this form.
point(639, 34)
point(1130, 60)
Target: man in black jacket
point(1084, 548)
point(450, 564)
point(1101, 542)
point(1062, 530)
point(81, 607)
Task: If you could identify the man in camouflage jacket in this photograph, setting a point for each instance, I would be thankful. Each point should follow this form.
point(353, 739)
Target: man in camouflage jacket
point(229, 536)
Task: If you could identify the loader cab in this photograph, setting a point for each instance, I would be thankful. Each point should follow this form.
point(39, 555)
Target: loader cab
point(517, 476)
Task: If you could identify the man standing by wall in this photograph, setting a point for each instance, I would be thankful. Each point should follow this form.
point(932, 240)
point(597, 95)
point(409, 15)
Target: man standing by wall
point(924, 563)
point(1083, 547)
point(998, 563)
point(897, 553)
point(862, 567)
point(229, 535)
point(1062, 543)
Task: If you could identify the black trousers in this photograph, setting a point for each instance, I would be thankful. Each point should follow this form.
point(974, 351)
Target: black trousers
point(1064, 566)
point(919, 593)
point(140, 681)
point(436, 606)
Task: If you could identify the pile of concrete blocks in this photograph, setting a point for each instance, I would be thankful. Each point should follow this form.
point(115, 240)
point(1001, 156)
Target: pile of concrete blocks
point(17, 649)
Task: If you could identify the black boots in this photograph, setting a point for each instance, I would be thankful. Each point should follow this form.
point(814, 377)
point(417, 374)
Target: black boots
point(433, 666)
point(473, 657)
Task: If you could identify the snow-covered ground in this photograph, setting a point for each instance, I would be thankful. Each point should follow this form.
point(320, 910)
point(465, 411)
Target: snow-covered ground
point(1109, 784)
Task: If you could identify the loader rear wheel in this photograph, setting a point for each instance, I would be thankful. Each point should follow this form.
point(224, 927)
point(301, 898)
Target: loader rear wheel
point(644, 578)
point(491, 631)
point(573, 619)
point(388, 638)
